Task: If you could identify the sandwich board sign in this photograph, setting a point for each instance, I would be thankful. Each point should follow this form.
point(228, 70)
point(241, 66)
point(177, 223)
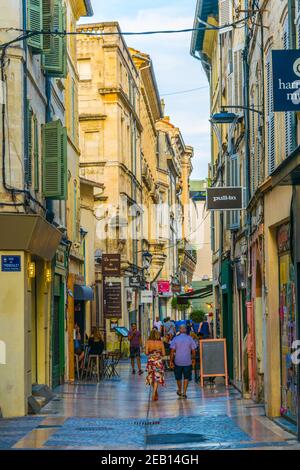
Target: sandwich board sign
point(213, 359)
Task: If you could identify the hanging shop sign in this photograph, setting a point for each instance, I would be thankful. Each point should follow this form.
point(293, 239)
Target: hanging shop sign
point(224, 199)
point(163, 287)
point(113, 300)
point(111, 265)
point(176, 288)
point(286, 80)
point(135, 281)
point(146, 297)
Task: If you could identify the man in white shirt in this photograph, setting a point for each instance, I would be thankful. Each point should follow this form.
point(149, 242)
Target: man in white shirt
point(158, 325)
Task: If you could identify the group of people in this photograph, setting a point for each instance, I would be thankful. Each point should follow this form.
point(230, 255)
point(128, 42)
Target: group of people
point(181, 347)
point(95, 344)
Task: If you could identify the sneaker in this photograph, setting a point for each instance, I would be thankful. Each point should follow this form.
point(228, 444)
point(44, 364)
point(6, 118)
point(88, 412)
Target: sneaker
point(141, 372)
point(179, 394)
point(133, 372)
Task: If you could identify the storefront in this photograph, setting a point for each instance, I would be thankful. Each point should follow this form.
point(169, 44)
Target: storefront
point(287, 318)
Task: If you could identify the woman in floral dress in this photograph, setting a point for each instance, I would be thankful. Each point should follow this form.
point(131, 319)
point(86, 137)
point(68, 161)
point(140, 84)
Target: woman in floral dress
point(155, 351)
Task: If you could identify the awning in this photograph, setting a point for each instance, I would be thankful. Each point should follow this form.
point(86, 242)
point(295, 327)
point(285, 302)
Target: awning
point(83, 293)
point(198, 294)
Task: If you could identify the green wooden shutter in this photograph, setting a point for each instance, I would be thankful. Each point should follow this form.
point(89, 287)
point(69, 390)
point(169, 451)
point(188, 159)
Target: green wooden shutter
point(55, 62)
point(52, 178)
point(64, 164)
point(35, 23)
point(48, 11)
point(28, 169)
point(36, 155)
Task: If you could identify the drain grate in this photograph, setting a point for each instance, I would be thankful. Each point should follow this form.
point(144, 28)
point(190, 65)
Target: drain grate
point(146, 423)
point(180, 438)
point(93, 429)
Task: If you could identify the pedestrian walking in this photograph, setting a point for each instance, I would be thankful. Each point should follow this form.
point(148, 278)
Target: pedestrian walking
point(135, 339)
point(169, 328)
point(155, 351)
point(158, 325)
point(204, 329)
point(189, 327)
point(183, 360)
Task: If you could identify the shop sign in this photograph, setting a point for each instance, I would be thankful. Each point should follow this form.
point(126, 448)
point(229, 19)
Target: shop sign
point(10, 264)
point(286, 80)
point(135, 281)
point(146, 296)
point(176, 288)
point(113, 300)
point(111, 265)
point(224, 199)
point(163, 287)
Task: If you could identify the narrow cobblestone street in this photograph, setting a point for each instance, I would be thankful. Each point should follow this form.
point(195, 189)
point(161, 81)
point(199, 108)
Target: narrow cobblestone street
point(118, 414)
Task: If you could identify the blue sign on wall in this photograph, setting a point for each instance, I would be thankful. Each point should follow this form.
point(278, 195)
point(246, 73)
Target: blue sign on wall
point(10, 264)
point(286, 80)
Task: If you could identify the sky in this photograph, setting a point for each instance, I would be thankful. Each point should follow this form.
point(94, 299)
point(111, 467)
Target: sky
point(176, 70)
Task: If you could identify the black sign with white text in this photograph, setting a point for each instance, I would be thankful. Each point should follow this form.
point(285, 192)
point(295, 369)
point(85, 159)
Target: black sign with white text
point(224, 199)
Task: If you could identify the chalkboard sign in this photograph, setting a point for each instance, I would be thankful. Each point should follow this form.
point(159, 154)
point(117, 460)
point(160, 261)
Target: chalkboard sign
point(213, 359)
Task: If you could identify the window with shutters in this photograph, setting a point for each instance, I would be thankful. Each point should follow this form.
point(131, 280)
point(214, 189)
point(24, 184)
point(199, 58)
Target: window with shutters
point(85, 69)
point(252, 150)
point(36, 154)
point(55, 62)
point(234, 181)
point(28, 163)
point(35, 23)
point(238, 77)
point(55, 160)
point(270, 115)
point(298, 22)
point(225, 12)
point(288, 116)
point(39, 17)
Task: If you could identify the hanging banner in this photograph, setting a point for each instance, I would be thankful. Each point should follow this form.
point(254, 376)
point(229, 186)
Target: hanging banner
point(224, 199)
point(286, 80)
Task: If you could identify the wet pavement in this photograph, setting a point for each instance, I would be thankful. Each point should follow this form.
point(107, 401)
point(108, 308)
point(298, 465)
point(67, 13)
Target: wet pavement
point(119, 414)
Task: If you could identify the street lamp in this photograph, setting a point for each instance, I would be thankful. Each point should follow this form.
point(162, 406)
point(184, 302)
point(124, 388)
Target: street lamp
point(223, 118)
point(147, 259)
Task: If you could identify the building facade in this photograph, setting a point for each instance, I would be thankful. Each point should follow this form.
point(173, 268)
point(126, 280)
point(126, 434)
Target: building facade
point(33, 191)
point(255, 254)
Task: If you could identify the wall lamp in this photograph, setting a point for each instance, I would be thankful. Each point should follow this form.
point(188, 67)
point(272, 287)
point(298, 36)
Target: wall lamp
point(31, 270)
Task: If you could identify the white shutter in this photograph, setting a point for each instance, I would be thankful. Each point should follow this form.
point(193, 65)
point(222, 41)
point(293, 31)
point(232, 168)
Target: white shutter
point(225, 13)
point(238, 77)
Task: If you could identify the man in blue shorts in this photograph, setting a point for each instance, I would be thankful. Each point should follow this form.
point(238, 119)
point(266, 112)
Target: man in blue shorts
point(183, 360)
